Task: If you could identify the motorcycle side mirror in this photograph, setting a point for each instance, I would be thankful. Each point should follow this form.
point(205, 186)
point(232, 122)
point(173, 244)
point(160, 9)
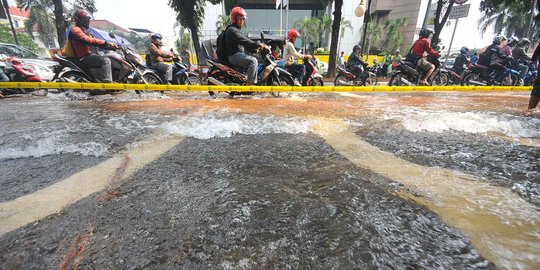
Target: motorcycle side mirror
point(262, 36)
point(112, 35)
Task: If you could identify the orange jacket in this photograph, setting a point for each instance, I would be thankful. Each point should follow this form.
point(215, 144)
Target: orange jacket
point(82, 40)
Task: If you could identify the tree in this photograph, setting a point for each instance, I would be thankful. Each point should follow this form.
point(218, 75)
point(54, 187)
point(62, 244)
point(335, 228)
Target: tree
point(344, 25)
point(444, 7)
point(39, 16)
point(222, 22)
point(309, 30)
point(24, 39)
point(61, 21)
point(338, 4)
point(391, 37)
point(325, 27)
point(507, 17)
point(190, 14)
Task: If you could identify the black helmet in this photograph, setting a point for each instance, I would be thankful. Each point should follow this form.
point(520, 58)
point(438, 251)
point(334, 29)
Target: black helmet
point(425, 32)
point(356, 47)
point(156, 36)
point(524, 42)
point(498, 39)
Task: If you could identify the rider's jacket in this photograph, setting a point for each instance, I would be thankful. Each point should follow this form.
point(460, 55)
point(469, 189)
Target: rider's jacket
point(81, 41)
point(520, 54)
point(235, 42)
point(421, 45)
point(157, 55)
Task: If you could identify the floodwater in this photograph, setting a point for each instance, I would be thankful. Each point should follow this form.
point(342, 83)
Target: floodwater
point(329, 181)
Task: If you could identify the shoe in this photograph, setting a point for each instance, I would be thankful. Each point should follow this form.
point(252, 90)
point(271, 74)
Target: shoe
point(423, 83)
point(297, 83)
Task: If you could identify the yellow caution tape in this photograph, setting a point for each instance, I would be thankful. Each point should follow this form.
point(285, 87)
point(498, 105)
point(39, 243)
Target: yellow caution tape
point(253, 88)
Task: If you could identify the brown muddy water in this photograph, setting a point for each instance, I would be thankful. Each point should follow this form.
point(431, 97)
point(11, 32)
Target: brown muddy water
point(341, 180)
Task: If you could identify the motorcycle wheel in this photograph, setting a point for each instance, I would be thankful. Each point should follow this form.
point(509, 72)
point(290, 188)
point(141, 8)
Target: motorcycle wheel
point(370, 80)
point(151, 79)
point(77, 77)
point(192, 80)
point(516, 80)
point(472, 79)
point(397, 79)
point(342, 80)
point(316, 82)
point(440, 79)
point(281, 80)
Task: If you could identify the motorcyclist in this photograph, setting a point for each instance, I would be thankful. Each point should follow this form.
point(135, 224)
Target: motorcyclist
point(535, 93)
point(80, 40)
point(290, 55)
point(492, 57)
point(507, 49)
point(461, 60)
point(521, 56)
point(421, 46)
point(355, 62)
point(236, 43)
point(159, 56)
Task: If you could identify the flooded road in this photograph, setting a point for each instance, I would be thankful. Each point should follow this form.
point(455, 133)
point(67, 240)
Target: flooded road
point(340, 180)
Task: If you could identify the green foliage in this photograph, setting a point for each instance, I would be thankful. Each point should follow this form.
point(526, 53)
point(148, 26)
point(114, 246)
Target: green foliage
point(24, 39)
point(184, 41)
point(314, 29)
point(388, 35)
point(322, 51)
point(510, 17)
point(140, 43)
point(222, 22)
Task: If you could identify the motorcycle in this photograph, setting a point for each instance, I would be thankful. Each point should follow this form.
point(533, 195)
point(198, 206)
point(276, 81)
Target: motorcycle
point(19, 72)
point(531, 75)
point(268, 73)
point(482, 75)
point(312, 76)
point(348, 78)
point(181, 72)
point(406, 73)
point(73, 70)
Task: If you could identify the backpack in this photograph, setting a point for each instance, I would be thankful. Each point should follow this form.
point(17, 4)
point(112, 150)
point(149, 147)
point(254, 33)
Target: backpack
point(221, 48)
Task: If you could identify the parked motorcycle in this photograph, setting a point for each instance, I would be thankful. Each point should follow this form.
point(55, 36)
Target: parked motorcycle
point(268, 73)
point(19, 72)
point(312, 76)
point(346, 77)
point(482, 75)
point(73, 70)
point(406, 73)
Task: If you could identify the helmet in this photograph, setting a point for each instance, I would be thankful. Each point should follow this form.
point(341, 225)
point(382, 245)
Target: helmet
point(156, 36)
point(237, 12)
point(374, 60)
point(525, 42)
point(498, 39)
point(397, 51)
point(513, 40)
point(464, 50)
point(82, 18)
point(292, 33)
point(425, 32)
point(356, 47)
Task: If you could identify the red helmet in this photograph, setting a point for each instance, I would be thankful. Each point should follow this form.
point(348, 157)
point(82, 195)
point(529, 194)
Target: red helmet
point(237, 12)
point(292, 33)
point(82, 18)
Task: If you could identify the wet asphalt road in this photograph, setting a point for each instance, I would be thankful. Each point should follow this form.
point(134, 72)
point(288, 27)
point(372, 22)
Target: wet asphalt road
point(260, 201)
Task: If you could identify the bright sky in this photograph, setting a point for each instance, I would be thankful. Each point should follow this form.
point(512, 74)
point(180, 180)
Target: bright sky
point(156, 15)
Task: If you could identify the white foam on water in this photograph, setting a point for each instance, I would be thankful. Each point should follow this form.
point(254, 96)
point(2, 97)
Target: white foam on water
point(224, 126)
point(52, 145)
point(471, 122)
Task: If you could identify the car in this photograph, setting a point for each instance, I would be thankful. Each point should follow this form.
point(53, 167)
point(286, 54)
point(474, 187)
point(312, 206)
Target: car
point(43, 66)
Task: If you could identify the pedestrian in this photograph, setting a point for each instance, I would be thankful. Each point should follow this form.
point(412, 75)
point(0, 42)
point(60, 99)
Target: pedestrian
point(341, 60)
point(535, 94)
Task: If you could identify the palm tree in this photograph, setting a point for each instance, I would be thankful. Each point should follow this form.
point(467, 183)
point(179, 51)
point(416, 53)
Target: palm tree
point(325, 27)
point(344, 25)
point(309, 30)
point(392, 36)
point(513, 17)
